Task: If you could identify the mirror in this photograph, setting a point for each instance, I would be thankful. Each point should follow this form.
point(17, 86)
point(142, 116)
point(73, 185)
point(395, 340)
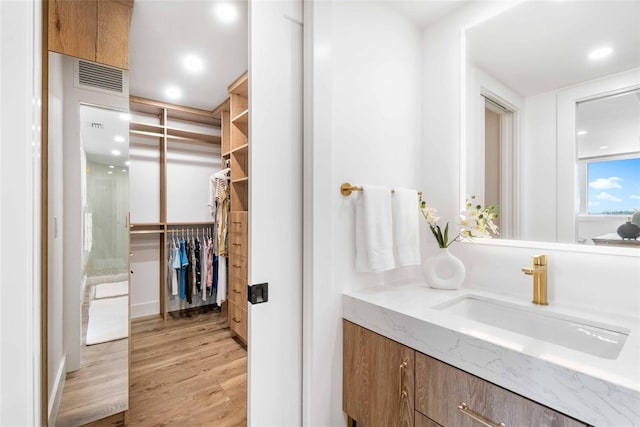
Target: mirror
point(536, 77)
point(88, 285)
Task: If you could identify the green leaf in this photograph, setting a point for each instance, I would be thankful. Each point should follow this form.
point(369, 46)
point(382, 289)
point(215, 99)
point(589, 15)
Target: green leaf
point(446, 235)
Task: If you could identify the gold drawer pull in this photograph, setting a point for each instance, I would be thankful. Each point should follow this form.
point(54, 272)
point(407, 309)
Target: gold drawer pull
point(403, 393)
point(479, 418)
point(237, 265)
point(236, 222)
point(237, 292)
point(237, 244)
point(236, 320)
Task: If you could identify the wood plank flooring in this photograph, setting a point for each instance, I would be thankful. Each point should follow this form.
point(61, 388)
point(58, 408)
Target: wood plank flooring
point(187, 371)
point(99, 388)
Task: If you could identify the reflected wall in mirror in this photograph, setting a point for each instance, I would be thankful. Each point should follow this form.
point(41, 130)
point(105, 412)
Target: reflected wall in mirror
point(529, 71)
point(88, 278)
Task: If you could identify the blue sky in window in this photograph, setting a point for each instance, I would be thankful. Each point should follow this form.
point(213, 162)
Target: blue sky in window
point(614, 186)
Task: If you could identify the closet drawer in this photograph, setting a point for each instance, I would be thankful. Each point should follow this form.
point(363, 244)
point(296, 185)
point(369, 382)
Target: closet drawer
point(238, 320)
point(441, 389)
point(238, 290)
point(238, 266)
point(238, 244)
point(238, 222)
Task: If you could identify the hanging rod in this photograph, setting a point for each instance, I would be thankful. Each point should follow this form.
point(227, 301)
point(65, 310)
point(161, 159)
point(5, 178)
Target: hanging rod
point(346, 189)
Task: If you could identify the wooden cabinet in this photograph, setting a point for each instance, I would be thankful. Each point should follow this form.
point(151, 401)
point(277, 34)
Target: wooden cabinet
point(452, 397)
point(378, 390)
point(96, 30)
point(235, 151)
point(378, 378)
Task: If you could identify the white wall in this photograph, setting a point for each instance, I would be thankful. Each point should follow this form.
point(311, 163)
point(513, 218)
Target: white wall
point(538, 167)
point(73, 177)
point(20, 210)
point(145, 280)
point(56, 353)
point(365, 129)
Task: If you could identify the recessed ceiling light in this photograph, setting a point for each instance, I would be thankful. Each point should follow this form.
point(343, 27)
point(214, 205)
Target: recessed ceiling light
point(125, 116)
point(115, 152)
point(600, 53)
point(111, 166)
point(118, 138)
point(124, 170)
point(604, 147)
point(193, 63)
point(109, 172)
point(127, 163)
point(582, 132)
point(173, 92)
point(226, 12)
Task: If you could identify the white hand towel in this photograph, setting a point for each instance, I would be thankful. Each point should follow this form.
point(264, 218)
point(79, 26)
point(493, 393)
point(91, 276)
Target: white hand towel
point(374, 230)
point(405, 227)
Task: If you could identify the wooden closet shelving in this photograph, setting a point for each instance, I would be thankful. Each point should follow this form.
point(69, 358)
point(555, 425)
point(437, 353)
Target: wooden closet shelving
point(234, 114)
point(169, 134)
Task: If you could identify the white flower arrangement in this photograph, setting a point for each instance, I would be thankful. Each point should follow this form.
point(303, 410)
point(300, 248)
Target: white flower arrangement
point(475, 221)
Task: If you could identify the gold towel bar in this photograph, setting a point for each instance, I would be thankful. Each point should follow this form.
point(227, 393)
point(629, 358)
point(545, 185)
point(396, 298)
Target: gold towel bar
point(346, 189)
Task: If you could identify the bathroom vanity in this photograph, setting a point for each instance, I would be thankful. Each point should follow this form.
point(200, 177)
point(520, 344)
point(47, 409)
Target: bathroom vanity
point(416, 356)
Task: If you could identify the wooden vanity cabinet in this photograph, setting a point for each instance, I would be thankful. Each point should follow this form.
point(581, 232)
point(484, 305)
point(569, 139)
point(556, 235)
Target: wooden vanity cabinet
point(441, 389)
point(378, 378)
point(374, 386)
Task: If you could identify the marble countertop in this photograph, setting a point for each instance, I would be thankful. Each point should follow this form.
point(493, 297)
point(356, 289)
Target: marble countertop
point(592, 389)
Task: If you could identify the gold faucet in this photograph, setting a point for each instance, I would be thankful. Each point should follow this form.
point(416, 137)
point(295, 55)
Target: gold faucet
point(539, 273)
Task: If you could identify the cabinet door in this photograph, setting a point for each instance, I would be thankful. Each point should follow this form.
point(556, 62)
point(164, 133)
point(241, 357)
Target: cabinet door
point(73, 28)
point(422, 421)
point(377, 379)
point(114, 21)
point(441, 389)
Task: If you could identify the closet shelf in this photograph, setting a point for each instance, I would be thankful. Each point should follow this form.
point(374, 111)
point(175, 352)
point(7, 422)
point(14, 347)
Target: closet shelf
point(240, 180)
point(241, 118)
point(146, 127)
point(189, 223)
point(241, 148)
point(146, 231)
point(145, 133)
point(188, 135)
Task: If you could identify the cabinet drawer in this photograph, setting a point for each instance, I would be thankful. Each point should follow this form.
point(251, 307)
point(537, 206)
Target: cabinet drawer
point(238, 320)
point(238, 222)
point(238, 244)
point(422, 421)
point(441, 389)
point(238, 291)
point(238, 266)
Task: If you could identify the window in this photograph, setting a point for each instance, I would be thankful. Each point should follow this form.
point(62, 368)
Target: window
point(612, 186)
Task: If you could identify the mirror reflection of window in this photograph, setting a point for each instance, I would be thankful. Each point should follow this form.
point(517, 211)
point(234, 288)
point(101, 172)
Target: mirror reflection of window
point(608, 147)
point(608, 135)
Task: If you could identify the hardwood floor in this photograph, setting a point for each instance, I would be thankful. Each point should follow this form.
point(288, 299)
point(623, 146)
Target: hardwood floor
point(187, 371)
point(99, 388)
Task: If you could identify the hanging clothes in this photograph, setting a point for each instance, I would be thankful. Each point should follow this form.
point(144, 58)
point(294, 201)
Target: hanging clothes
point(174, 267)
point(221, 294)
point(204, 266)
point(219, 198)
point(184, 263)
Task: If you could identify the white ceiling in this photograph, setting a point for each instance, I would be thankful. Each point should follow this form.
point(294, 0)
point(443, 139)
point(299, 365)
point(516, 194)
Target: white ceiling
point(540, 46)
point(163, 32)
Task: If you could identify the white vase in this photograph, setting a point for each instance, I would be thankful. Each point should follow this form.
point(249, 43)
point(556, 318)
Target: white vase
point(444, 271)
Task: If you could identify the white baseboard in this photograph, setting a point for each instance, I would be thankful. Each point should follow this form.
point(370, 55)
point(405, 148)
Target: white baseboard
point(58, 387)
point(145, 309)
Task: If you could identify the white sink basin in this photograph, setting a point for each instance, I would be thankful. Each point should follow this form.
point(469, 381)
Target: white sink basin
point(600, 340)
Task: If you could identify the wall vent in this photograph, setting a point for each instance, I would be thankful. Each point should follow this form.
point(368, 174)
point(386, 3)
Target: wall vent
point(101, 77)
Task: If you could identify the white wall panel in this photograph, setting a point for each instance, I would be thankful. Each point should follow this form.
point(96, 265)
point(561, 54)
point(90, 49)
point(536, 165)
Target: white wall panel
point(145, 280)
